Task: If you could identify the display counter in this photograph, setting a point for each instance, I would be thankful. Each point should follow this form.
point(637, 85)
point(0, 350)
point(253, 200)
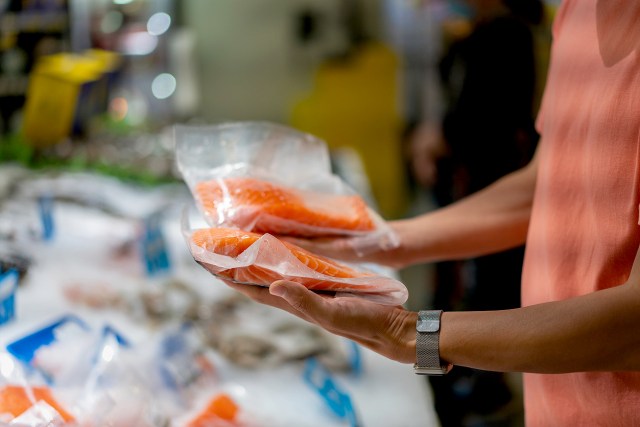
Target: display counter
point(150, 336)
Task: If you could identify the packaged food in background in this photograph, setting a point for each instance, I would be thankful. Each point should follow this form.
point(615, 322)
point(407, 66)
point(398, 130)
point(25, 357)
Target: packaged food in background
point(32, 405)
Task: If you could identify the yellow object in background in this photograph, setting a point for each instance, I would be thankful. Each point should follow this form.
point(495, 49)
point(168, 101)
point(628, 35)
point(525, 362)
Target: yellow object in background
point(109, 64)
point(355, 103)
point(65, 91)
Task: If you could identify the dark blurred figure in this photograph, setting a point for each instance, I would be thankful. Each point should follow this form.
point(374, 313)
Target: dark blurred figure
point(21, 47)
point(489, 82)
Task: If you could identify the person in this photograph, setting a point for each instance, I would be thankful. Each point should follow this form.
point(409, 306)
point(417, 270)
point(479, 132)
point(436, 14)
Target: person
point(490, 77)
point(576, 205)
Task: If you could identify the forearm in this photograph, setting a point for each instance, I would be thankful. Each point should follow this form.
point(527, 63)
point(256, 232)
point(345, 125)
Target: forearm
point(488, 221)
point(595, 332)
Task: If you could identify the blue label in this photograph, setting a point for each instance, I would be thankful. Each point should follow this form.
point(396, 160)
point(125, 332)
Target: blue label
point(154, 248)
point(25, 348)
point(336, 399)
point(45, 209)
point(8, 286)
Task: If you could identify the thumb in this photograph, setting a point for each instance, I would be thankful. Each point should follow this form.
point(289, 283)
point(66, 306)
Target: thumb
point(298, 296)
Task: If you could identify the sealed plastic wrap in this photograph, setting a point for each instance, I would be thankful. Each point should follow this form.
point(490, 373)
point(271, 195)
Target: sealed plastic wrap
point(230, 405)
point(251, 258)
point(118, 390)
point(35, 407)
point(221, 410)
point(95, 372)
point(272, 179)
point(25, 401)
point(254, 182)
point(181, 366)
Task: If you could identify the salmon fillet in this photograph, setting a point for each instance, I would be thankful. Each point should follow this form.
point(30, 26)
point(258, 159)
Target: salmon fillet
point(232, 243)
point(265, 207)
point(221, 407)
point(14, 400)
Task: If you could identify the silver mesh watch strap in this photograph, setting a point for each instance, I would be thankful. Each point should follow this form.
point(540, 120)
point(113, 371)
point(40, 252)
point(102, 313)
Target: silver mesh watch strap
point(427, 344)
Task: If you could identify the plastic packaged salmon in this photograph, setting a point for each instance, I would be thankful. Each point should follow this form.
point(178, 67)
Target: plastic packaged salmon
point(15, 400)
point(268, 178)
point(221, 411)
point(260, 259)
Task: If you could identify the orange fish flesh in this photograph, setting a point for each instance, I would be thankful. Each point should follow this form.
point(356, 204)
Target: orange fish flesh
point(232, 243)
point(221, 410)
point(14, 400)
point(266, 207)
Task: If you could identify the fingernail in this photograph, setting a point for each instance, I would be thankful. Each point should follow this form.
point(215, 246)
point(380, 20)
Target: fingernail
point(279, 291)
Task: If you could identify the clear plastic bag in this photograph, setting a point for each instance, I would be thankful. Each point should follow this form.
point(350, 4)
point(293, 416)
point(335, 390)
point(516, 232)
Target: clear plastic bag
point(25, 403)
point(254, 259)
point(268, 178)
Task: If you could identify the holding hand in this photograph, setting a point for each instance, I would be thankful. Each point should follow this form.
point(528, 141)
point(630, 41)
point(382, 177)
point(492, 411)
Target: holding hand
point(353, 249)
point(387, 330)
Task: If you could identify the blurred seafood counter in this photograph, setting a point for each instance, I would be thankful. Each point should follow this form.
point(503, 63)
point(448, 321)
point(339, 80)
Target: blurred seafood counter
point(117, 119)
point(107, 320)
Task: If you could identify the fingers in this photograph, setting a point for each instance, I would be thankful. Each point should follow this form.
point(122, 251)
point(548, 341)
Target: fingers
point(261, 294)
point(314, 307)
point(299, 297)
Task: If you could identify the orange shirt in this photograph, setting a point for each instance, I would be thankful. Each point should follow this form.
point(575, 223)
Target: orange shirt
point(584, 233)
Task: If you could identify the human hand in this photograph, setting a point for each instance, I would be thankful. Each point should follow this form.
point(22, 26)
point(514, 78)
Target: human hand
point(350, 249)
point(387, 330)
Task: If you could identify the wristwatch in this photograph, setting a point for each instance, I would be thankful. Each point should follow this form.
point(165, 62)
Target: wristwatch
point(428, 344)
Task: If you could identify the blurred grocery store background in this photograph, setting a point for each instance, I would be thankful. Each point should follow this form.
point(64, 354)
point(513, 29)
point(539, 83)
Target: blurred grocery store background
point(352, 72)
point(90, 91)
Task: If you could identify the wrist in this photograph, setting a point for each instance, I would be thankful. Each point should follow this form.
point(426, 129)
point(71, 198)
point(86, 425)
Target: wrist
point(406, 338)
point(404, 253)
point(446, 344)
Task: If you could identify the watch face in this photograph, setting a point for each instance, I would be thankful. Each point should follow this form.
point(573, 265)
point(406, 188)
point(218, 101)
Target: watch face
point(428, 325)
